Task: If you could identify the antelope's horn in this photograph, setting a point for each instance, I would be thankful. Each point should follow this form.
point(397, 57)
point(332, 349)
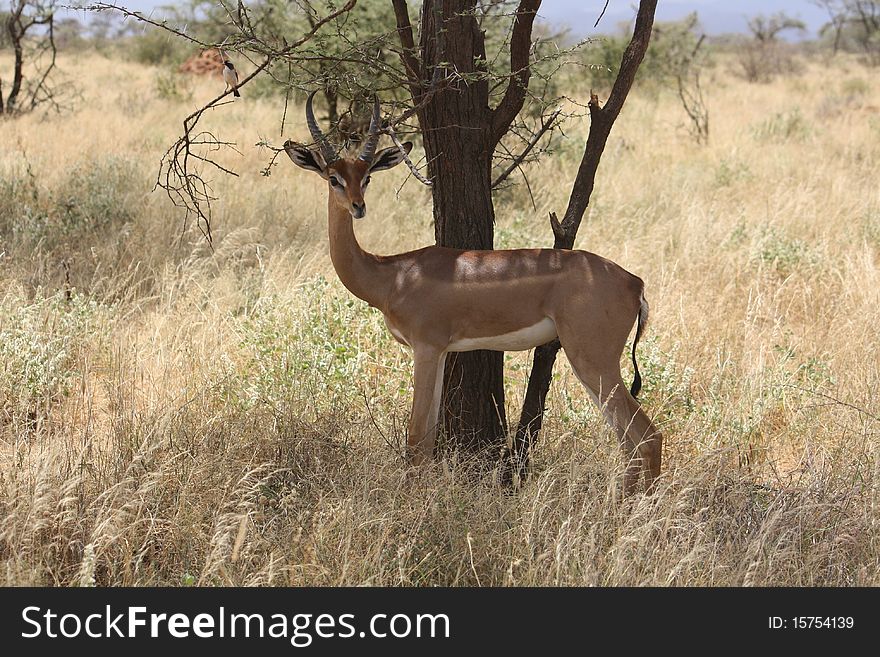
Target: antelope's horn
point(369, 149)
point(327, 151)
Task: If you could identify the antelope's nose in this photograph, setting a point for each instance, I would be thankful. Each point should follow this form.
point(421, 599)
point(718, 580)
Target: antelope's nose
point(358, 210)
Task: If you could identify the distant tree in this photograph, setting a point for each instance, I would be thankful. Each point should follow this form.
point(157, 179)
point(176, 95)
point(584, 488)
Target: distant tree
point(865, 14)
point(675, 60)
point(29, 28)
point(69, 33)
point(682, 60)
point(765, 56)
point(854, 26)
point(104, 27)
point(835, 24)
point(765, 29)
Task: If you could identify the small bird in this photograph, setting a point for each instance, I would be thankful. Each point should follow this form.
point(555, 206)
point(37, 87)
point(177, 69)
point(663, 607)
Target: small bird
point(230, 76)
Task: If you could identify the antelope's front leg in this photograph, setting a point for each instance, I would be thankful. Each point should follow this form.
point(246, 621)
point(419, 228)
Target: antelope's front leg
point(427, 389)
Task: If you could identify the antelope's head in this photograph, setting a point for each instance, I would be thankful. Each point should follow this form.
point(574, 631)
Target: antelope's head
point(347, 177)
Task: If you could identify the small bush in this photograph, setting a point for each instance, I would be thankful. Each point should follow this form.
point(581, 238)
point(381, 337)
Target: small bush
point(783, 254)
point(173, 87)
point(871, 226)
point(92, 198)
point(39, 345)
point(320, 351)
point(155, 47)
point(762, 61)
point(730, 171)
point(856, 87)
point(783, 127)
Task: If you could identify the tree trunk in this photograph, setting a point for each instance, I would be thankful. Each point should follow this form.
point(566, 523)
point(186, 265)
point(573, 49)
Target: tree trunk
point(456, 125)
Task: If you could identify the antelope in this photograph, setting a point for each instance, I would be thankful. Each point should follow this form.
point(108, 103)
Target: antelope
point(438, 300)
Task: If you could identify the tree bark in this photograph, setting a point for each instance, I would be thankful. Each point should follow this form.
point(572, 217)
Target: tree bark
point(601, 121)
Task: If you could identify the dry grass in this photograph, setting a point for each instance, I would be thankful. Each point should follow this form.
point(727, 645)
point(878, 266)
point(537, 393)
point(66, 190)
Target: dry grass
point(180, 417)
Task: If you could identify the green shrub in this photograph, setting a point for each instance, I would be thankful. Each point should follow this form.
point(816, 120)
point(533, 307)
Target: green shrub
point(782, 127)
point(731, 170)
point(317, 349)
point(94, 196)
point(174, 87)
point(156, 47)
point(40, 342)
point(784, 254)
point(856, 87)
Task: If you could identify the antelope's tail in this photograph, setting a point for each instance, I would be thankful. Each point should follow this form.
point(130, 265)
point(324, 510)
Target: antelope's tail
point(640, 326)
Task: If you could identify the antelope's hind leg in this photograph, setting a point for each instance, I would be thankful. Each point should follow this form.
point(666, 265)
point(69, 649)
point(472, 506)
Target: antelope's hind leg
point(649, 440)
point(638, 437)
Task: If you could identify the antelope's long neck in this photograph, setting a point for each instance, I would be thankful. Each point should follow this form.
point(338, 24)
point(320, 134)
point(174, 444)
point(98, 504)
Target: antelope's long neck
point(361, 272)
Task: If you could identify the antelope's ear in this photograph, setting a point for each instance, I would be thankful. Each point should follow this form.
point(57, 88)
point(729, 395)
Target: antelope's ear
point(390, 157)
point(305, 157)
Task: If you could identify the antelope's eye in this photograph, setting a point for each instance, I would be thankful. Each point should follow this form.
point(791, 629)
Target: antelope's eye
point(335, 181)
point(366, 181)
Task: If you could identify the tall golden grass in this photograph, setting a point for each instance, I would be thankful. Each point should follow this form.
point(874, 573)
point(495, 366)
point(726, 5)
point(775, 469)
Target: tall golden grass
point(171, 415)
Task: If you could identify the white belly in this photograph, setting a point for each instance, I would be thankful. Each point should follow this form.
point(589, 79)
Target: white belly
point(525, 338)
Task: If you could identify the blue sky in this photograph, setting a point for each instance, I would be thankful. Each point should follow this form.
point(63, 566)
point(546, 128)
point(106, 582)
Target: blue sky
point(716, 16)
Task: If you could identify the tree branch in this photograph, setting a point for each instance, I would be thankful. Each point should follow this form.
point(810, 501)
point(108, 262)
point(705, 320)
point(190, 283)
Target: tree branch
point(602, 120)
point(389, 130)
point(407, 42)
point(42, 84)
point(596, 24)
point(520, 46)
point(28, 92)
point(138, 16)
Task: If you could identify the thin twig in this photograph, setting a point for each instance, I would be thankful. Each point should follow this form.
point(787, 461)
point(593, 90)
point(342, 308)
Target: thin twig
point(545, 126)
point(389, 130)
point(596, 24)
point(835, 400)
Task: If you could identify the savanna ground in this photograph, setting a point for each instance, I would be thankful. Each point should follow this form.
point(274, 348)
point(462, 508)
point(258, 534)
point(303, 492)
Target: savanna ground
point(169, 415)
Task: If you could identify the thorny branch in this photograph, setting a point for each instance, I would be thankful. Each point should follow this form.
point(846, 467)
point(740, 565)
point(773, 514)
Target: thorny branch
point(148, 20)
point(520, 69)
point(389, 130)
